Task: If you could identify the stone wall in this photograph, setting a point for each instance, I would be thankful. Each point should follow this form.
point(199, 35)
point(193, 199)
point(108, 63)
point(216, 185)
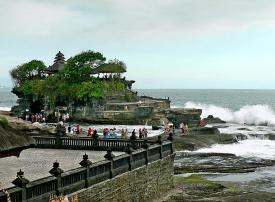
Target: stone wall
point(142, 184)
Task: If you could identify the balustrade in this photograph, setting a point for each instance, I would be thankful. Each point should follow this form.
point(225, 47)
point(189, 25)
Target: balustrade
point(82, 177)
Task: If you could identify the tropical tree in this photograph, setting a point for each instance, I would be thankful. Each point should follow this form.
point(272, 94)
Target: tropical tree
point(78, 68)
point(28, 71)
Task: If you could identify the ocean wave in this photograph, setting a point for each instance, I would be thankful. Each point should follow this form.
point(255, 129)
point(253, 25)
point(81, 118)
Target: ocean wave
point(5, 109)
point(248, 114)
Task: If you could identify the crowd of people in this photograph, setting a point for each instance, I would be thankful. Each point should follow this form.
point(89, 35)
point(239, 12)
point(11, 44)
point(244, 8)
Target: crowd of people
point(38, 117)
point(106, 133)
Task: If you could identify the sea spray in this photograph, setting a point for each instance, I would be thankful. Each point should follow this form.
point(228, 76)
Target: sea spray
point(248, 114)
point(264, 149)
point(5, 109)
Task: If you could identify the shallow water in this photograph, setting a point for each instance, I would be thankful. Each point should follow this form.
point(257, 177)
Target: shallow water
point(263, 179)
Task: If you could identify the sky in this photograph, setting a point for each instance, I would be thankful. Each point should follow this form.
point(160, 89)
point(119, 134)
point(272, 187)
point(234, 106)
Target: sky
point(165, 44)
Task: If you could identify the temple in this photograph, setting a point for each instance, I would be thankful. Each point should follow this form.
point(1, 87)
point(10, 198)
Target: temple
point(59, 62)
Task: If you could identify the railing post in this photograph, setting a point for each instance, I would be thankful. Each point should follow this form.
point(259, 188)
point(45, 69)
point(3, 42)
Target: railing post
point(86, 163)
point(130, 151)
point(21, 182)
point(56, 172)
point(171, 138)
point(110, 156)
point(159, 141)
point(145, 145)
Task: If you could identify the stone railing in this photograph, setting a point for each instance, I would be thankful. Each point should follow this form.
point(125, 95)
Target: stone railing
point(83, 177)
point(115, 144)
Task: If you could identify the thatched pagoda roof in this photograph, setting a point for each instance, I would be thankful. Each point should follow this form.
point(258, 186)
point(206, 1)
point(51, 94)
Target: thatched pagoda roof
point(58, 64)
point(109, 68)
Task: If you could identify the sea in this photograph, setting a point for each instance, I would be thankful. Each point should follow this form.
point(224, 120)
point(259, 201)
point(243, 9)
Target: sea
point(247, 112)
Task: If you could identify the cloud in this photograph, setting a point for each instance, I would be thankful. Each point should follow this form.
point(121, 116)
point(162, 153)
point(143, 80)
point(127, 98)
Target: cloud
point(30, 18)
point(130, 19)
point(173, 18)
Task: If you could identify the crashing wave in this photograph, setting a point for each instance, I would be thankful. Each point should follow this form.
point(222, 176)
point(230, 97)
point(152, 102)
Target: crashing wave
point(248, 114)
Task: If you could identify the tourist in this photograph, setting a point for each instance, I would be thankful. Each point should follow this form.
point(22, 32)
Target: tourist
point(90, 132)
point(122, 132)
point(32, 118)
point(114, 133)
point(145, 133)
point(73, 130)
point(133, 136)
point(126, 133)
point(69, 128)
point(77, 129)
point(186, 129)
point(66, 199)
point(140, 133)
point(95, 137)
point(182, 127)
point(111, 134)
point(201, 122)
point(105, 133)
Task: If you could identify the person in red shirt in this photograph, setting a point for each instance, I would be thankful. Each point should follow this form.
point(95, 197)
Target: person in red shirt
point(90, 132)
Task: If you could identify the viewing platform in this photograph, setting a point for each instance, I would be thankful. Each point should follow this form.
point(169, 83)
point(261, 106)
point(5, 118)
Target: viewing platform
point(90, 173)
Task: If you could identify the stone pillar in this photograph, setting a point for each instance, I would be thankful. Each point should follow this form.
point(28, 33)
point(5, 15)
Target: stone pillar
point(21, 182)
point(110, 156)
point(60, 132)
point(86, 163)
point(56, 172)
point(159, 141)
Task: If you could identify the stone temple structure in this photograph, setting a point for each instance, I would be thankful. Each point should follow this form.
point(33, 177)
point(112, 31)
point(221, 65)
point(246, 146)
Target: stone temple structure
point(123, 106)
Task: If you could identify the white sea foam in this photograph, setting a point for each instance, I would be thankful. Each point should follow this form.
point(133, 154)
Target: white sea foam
point(247, 148)
point(248, 114)
point(5, 108)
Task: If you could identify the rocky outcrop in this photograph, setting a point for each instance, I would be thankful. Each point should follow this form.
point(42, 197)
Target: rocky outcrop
point(213, 120)
point(11, 138)
point(16, 133)
point(183, 115)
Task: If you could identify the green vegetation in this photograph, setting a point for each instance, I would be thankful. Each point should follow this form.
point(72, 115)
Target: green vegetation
point(75, 82)
point(4, 122)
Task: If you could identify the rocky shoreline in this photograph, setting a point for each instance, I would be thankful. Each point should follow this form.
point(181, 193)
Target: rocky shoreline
point(16, 133)
point(192, 170)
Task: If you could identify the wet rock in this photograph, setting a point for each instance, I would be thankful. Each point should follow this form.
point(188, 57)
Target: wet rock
point(203, 137)
point(186, 162)
point(196, 188)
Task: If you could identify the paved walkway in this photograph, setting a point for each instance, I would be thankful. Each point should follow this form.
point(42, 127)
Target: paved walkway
point(36, 163)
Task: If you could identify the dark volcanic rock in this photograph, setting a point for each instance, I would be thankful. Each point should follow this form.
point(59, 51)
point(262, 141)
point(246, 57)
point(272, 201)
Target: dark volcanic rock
point(202, 137)
point(213, 120)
